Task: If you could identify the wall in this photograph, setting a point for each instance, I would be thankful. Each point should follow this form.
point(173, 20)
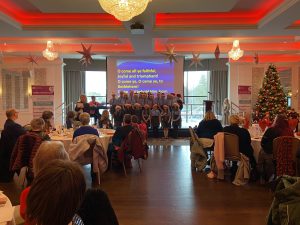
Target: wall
point(53, 77)
point(251, 74)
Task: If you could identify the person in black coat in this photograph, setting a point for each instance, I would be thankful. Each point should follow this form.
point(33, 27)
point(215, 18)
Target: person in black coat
point(96, 209)
point(209, 126)
point(244, 138)
point(8, 140)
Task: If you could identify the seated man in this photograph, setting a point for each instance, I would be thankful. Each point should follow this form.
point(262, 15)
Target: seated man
point(85, 128)
point(9, 136)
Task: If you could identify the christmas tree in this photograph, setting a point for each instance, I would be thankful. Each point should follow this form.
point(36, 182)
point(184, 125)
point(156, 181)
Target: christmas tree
point(271, 97)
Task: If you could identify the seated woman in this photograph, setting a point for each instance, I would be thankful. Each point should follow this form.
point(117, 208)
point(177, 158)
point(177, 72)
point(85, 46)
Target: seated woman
point(104, 121)
point(280, 127)
point(70, 119)
point(47, 116)
point(48, 151)
point(56, 193)
point(244, 138)
point(37, 127)
point(209, 126)
point(85, 128)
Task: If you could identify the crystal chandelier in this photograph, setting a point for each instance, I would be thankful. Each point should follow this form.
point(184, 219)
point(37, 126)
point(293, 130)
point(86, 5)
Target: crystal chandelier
point(235, 53)
point(124, 10)
point(49, 53)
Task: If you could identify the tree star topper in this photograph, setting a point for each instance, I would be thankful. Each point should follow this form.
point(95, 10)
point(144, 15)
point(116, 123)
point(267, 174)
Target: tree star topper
point(86, 55)
point(195, 61)
point(31, 60)
point(170, 54)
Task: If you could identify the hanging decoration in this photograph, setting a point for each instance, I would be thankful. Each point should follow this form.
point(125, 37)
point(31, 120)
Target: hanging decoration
point(50, 53)
point(86, 55)
point(235, 53)
point(217, 52)
point(195, 61)
point(31, 60)
point(170, 54)
point(256, 58)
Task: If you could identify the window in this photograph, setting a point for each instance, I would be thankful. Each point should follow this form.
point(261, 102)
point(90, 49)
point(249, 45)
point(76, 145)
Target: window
point(15, 86)
point(95, 85)
point(196, 87)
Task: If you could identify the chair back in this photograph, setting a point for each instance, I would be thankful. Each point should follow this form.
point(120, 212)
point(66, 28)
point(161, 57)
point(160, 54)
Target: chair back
point(285, 153)
point(231, 147)
point(193, 134)
point(295, 144)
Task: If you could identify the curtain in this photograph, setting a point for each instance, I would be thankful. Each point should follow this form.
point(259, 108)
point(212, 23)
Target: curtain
point(74, 86)
point(218, 89)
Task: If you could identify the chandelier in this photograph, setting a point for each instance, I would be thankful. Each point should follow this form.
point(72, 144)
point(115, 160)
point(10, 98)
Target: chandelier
point(49, 53)
point(235, 53)
point(124, 10)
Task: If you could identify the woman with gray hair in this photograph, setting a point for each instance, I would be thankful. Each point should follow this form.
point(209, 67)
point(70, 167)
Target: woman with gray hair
point(37, 127)
point(85, 128)
point(47, 152)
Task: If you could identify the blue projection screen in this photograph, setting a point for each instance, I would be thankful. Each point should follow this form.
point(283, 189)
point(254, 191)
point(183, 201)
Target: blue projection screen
point(151, 74)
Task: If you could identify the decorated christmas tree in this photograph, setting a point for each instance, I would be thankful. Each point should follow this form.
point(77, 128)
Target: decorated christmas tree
point(271, 97)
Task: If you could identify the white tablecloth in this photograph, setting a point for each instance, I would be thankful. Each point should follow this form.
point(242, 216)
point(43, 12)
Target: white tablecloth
point(7, 213)
point(255, 142)
point(67, 140)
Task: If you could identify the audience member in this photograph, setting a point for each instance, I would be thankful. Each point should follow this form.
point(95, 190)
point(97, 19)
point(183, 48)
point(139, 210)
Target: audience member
point(244, 140)
point(48, 151)
point(209, 126)
point(47, 116)
point(56, 193)
point(9, 136)
point(70, 119)
point(37, 127)
point(104, 121)
point(85, 128)
point(96, 209)
point(280, 127)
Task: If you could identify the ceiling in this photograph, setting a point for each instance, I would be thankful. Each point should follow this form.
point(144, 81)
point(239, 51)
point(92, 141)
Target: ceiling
point(270, 28)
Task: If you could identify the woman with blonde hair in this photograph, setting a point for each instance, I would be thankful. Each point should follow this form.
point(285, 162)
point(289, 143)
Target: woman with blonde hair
point(209, 126)
point(104, 121)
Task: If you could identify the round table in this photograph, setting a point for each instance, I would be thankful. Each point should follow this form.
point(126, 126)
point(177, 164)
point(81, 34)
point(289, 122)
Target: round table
point(6, 212)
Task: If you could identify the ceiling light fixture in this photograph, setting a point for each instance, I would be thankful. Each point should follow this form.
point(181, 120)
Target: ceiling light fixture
point(235, 53)
point(49, 53)
point(124, 10)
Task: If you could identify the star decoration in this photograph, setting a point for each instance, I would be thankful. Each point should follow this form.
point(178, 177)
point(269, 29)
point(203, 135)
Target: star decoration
point(196, 60)
point(256, 58)
point(86, 55)
point(217, 52)
point(170, 54)
point(31, 60)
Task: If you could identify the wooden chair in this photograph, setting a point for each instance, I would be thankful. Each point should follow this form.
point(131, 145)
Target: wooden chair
point(294, 148)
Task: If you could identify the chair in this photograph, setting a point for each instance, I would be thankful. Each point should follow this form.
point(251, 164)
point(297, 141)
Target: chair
point(231, 147)
point(293, 123)
point(133, 145)
point(285, 150)
point(87, 149)
point(23, 154)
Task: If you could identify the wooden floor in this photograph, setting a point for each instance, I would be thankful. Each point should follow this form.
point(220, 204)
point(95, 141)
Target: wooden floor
point(169, 192)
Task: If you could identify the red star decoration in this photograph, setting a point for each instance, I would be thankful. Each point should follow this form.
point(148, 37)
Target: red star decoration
point(86, 55)
point(31, 60)
point(217, 52)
